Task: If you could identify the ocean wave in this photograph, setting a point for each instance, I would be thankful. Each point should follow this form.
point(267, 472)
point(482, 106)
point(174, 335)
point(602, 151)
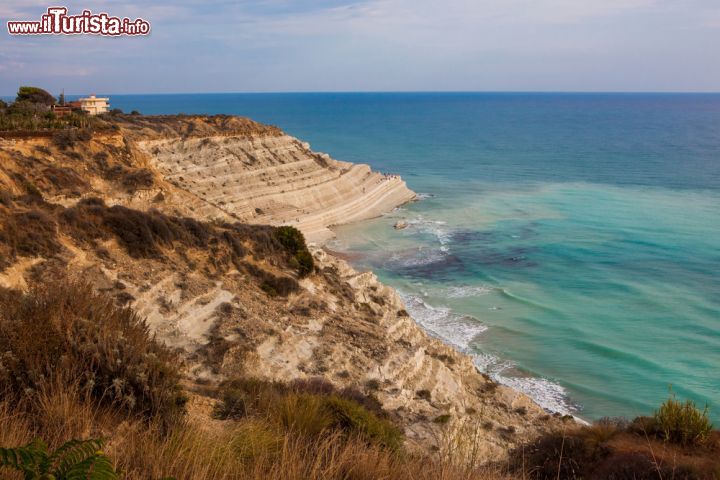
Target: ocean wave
point(462, 331)
point(417, 258)
point(549, 395)
point(465, 291)
point(546, 393)
point(441, 322)
point(436, 228)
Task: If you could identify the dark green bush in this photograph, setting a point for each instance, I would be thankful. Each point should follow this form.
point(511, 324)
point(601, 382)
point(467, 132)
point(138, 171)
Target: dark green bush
point(442, 419)
point(34, 95)
point(68, 137)
point(294, 241)
point(137, 179)
point(353, 418)
point(556, 456)
point(316, 414)
point(309, 407)
point(424, 394)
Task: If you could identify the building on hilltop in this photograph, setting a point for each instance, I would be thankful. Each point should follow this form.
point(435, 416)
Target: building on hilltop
point(65, 108)
point(95, 105)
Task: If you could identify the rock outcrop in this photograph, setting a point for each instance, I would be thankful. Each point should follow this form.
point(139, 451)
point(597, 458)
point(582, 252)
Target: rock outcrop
point(275, 179)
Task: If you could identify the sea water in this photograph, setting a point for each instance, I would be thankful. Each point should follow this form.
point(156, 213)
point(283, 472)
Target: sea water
point(570, 242)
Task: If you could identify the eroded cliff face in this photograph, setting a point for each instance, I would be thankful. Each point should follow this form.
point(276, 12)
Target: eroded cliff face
point(207, 297)
point(275, 180)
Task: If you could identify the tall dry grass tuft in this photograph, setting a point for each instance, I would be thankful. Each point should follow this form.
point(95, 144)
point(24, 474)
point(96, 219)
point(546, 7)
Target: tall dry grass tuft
point(682, 422)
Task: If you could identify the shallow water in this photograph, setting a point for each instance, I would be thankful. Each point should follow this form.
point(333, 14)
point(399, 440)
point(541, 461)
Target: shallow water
point(570, 242)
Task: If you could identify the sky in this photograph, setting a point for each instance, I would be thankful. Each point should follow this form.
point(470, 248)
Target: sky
point(374, 45)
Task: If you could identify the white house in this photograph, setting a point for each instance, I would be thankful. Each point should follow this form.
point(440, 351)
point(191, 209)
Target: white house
point(95, 105)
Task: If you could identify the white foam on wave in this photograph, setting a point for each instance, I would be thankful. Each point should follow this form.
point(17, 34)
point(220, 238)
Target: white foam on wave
point(436, 228)
point(418, 259)
point(443, 323)
point(549, 395)
point(465, 291)
point(462, 331)
point(546, 393)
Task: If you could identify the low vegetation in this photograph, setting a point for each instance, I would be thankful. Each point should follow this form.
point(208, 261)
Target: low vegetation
point(30, 112)
point(682, 423)
point(64, 334)
point(79, 367)
point(676, 443)
point(71, 461)
point(311, 408)
point(294, 241)
point(31, 227)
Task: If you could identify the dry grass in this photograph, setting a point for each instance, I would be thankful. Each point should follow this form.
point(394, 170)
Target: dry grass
point(72, 359)
point(31, 227)
point(63, 333)
point(617, 449)
point(250, 449)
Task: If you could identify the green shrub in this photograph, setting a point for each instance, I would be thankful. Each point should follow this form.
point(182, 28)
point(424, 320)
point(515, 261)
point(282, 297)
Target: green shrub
point(294, 241)
point(312, 414)
point(309, 407)
point(442, 419)
point(314, 385)
point(67, 137)
point(257, 439)
point(682, 423)
point(137, 179)
point(554, 456)
point(278, 285)
point(34, 95)
point(304, 413)
point(424, 394)
point(305, 262)
point(30, 233)
point(243, 397)
point(353, 418)
point(72, 461)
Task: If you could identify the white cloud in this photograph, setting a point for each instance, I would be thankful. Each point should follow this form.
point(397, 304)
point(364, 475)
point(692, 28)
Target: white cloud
point(386, 44)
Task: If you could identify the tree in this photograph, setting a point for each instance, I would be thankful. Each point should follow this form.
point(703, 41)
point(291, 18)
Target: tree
point(61, 98)
point(34, 95)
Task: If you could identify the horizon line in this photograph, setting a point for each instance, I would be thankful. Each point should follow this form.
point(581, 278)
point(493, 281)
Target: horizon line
point(510, 92)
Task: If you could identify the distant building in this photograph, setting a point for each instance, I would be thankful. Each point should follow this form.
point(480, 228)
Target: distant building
point(61, 110)
point(65, 108)
point(95, 105)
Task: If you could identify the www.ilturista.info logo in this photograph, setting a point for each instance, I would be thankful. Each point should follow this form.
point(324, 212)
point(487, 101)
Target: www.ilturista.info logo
point(57, 22)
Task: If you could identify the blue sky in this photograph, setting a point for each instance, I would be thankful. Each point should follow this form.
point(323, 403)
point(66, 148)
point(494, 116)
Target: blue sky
point(376, 45)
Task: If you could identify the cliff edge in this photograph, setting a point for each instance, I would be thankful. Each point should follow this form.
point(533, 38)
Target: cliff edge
point(162, 213)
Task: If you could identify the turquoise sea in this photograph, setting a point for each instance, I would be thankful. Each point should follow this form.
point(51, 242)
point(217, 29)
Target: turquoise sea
point(571, 242)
